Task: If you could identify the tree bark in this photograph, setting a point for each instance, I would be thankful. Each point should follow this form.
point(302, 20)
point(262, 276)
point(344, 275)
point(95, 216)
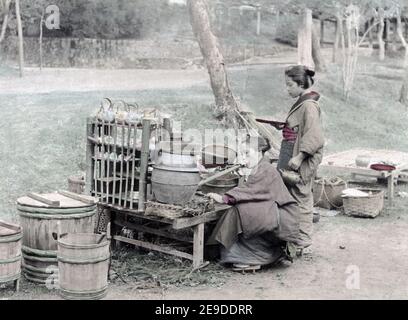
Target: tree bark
point(380, 34)
point(258, 22)
point(321, 31)
point(5, 20)
point(387, 31)
point(402, 38)
point(305, 40)
point(317, 56)
point(370, 36)
point(41, 39)
point(336, 41)
point(212, 55)
point(20, 38)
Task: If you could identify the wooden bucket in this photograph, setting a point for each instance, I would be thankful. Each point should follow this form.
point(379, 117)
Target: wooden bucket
point(76, 184)
point(10, 252)
point(41, 223)
point(83, 263)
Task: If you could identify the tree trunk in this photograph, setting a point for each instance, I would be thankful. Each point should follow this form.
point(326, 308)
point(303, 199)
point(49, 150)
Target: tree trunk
point(258, 22)
point(321, 32)
point(336, 41)
point(41, 39)
point(5, 20)
point(20, 38)
point(370, 36)
point(228, 108)
point(318, 59)
point(387, 31)
point(305, 40)
point(380, 35)
point(212, 55)
point(403, 41)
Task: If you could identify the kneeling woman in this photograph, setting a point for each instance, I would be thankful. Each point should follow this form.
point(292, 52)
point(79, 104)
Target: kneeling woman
point(263, 219)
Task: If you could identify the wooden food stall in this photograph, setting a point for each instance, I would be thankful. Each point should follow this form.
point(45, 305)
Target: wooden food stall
point(128, 176)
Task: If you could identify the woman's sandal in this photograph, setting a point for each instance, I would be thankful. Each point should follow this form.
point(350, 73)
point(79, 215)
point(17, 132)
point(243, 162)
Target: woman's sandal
point(245, 267)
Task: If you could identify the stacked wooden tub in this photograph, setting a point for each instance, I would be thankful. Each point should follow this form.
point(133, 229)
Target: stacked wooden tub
point(83, 261)
point(45, 216)
point(10, 253)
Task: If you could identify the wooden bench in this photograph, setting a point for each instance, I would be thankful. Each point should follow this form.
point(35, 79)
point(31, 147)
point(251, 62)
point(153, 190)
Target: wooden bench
point(345, 162)
point(119, 220)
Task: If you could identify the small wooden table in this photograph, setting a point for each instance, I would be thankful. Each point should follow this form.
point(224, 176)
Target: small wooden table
point(118, 219)
point(345, 162)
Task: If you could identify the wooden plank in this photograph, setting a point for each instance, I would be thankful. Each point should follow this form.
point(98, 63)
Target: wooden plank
point(198, 247)
point(128, 156)
point(10, 225)
point(89, 161)
point(42, 199)
point(360, 171)
point(122, 155)
point(115, 134)
point(103, 149)
point(151, 246)
point(157, 232)
point(390, 189)
point(77, 196)
point(132, 181)
point(137, 214)
point(144, 164)
point(206, 217)
point(109, 147)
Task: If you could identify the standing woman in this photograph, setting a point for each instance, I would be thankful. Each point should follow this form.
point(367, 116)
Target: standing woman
point(302, 147)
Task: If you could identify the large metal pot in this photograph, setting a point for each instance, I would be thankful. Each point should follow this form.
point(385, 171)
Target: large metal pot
point(173, 185)
point(177, 154)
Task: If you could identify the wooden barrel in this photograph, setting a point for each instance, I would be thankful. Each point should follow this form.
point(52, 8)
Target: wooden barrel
point(41, 223)
point(83, 263)
point(10, 251)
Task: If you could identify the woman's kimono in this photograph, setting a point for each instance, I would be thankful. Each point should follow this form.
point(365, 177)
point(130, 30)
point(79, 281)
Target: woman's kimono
point(303, 133)
point(263, 217)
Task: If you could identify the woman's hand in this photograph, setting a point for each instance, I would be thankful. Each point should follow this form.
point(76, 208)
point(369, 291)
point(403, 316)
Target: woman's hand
point(296, 162)
point(216, 197)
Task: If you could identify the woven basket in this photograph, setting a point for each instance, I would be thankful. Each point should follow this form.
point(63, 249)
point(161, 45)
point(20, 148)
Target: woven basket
point(327, 192)
point(366, 207)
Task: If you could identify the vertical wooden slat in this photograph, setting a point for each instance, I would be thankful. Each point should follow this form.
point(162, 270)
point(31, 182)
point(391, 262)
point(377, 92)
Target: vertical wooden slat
point(115, 134)
point(89, 161)
point(109, 147)
point(198, 246)
point(121, 162)
point(95, 161)
point(102, 159)
point(144, 158)
point(128, 153)
point(133, 165)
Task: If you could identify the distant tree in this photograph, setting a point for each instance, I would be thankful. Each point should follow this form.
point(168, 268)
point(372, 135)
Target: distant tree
point(4, 12)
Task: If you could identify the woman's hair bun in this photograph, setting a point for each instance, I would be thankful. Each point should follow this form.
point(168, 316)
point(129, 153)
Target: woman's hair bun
point(310, 72)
